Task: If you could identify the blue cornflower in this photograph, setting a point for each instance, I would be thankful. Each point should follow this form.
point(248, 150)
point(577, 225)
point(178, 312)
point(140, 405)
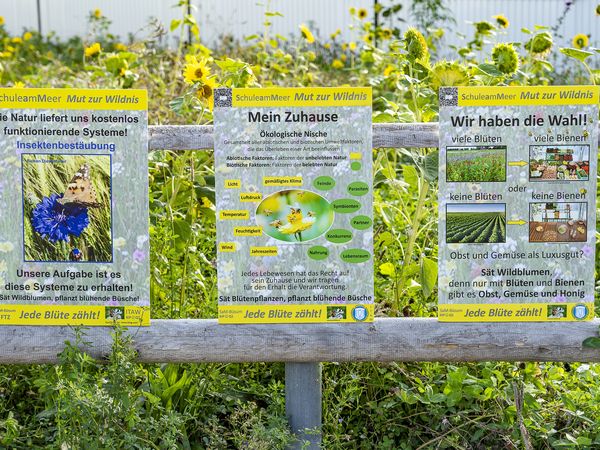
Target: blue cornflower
point(56, 222)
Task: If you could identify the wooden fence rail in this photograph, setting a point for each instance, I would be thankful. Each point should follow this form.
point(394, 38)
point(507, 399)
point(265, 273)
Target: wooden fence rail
point(303, 346)
point(402, 339)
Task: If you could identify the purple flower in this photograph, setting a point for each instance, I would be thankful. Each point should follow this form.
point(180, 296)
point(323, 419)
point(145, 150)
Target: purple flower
point(56, 222)
point(138, 256)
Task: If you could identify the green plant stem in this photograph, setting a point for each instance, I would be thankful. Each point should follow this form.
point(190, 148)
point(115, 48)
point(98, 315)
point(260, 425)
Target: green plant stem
point(423, 190)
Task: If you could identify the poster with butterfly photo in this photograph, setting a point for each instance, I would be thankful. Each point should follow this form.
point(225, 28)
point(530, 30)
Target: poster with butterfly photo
point(74, 227)
point(78, 187)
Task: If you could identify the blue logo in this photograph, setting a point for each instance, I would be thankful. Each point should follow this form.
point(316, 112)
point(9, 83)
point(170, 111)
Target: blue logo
point(580, 311)
point(360, 313)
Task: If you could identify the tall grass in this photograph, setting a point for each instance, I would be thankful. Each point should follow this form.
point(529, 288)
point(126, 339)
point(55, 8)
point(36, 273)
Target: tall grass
point(41, 179)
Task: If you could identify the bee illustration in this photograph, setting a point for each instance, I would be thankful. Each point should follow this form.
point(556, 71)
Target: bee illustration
point(267, 212)
point(297, 223)
point(276, 223)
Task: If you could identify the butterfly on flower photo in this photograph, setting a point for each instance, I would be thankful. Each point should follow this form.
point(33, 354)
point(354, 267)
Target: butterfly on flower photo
point(67, 207)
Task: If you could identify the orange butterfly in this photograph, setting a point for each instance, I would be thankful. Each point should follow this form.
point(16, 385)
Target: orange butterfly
point(80, 190)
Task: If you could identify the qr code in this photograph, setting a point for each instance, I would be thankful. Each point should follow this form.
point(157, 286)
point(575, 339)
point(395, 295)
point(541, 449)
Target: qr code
point(449, 96)
point(223, 98)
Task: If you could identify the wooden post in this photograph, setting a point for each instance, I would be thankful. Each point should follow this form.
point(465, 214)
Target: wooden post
point(303, 403)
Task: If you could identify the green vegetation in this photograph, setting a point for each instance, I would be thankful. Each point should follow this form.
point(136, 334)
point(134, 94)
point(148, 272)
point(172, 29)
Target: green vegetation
point(475, 228)
point(476, 165)
point(122, 404)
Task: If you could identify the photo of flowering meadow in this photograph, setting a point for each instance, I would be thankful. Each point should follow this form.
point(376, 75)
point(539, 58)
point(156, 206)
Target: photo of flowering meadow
point(404, 51)
point(58, 230)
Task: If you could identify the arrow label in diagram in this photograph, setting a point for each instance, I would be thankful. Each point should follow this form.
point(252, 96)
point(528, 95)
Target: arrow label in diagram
point(516, 222)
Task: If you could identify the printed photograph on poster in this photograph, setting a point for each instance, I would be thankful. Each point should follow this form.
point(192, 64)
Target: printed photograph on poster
point(475, 223)
point(558, 222)
point(294, 215)
point(67, 208)
point(561, 163)
point(476, 164)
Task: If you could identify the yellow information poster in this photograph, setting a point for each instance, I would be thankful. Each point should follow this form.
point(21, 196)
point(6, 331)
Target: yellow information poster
point(517, 199)
point(74, 241)
point(293, 174)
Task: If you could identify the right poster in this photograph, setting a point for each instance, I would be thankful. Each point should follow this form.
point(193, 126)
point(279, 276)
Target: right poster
point(517, 203)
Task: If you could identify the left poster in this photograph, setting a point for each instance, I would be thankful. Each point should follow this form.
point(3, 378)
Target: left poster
point(74, 241)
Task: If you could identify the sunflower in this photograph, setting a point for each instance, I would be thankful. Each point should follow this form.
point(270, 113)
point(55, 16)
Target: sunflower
point(195, 70)
point(337, 64)
point(386, 33)
point(581, 40)
point(445, 73)
point(362, 13)
point(306, 34)
point(97, 13)
point(92, 50)
point(207, 91)
point(502, 21)
point(352, 46)
point(27, 35)
point(1, 20)
point(416, 45)
point(120, 47)
point(598, 10)
point(540, 43)
point(505, 58)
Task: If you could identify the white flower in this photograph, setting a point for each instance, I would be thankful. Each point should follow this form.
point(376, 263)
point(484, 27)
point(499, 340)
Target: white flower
point(141, 240)
point(6, 247)
point(119, 242)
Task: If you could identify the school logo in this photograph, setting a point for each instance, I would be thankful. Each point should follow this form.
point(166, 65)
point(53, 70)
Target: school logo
point(360, 313)
point(580, 311)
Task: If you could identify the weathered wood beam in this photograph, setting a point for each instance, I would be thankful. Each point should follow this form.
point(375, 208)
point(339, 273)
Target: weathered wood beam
point(385, 135)
point(384, 340)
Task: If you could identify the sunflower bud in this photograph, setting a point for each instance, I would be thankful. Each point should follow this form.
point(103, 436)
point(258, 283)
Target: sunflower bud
point(416, 45)
point(540, 43)
point(505, 58)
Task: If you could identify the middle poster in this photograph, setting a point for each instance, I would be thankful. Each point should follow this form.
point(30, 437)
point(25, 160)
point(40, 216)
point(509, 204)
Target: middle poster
point(293, 176)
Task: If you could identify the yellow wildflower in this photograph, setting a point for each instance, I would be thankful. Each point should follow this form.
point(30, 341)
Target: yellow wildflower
point(386, 33)
point(502, 21)
point(206, 203)
point(306, 34)
point(195, 70)
point(336, 33)
point(97, 13)
point(352, 10)
point(352, 46)
point(311, 56)
point(337, 64)
point(27, 35)
point(18, 84)
point(368, 38)
point(93, 49)
point(598, 10)
point(120, 47)
point(343, 57)
point(1, 20)
point(581, 40)
point(206, 92)
point(344, 47)
point(388, 70)
point(362, 13)
point(327, 46)
point(17, 40)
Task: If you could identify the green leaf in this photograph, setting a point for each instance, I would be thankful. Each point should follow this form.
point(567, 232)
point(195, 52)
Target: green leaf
point(429, 273)
point(431, 165)
point(411, 176)
point(383, 117)
point(175, 24)
point(490, 70)
point(591, 342)
point(580, 55)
